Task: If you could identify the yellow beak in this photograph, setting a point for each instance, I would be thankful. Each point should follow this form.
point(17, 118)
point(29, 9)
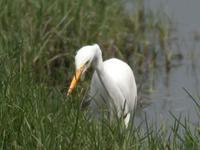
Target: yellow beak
point(74, 81)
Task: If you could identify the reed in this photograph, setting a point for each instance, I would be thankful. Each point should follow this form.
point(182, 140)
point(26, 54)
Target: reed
point(38, 40)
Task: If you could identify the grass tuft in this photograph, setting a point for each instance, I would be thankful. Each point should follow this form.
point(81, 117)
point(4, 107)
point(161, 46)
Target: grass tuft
point(38, 40)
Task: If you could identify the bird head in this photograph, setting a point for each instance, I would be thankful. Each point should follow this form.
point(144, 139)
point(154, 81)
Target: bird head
point(83, 61)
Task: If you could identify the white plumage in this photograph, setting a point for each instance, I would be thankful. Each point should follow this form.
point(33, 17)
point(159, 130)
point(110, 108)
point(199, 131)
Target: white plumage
point(113, 83)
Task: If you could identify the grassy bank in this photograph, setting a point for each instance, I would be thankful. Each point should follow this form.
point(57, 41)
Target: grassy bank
point(38, 40)
point(36, 116)
point(45, 34)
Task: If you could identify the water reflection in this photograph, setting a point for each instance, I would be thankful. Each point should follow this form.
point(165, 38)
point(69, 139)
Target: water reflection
point(167, 94)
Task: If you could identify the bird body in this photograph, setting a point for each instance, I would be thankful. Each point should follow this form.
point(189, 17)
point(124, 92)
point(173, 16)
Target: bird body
point(113, 83)
point(123, 93)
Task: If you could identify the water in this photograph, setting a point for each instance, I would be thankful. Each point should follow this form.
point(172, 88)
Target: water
point(168, 94)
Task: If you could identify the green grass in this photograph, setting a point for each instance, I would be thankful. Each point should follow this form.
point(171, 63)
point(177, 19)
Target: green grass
point(36, 116)
point(45, 34)
point(38, 40)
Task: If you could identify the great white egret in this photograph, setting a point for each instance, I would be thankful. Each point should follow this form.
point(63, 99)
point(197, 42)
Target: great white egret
point(113, 83)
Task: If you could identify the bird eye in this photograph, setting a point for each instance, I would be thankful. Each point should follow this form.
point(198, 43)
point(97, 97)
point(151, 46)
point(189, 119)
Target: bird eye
point(87, 62)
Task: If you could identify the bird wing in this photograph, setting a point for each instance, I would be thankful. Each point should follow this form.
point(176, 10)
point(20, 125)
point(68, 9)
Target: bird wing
point(121, 81)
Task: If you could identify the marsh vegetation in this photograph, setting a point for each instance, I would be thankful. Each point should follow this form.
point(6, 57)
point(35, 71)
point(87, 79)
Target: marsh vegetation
point(38, 41)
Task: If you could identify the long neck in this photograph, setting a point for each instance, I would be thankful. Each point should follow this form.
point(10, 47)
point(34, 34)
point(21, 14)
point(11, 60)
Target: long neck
point(98, 60)
point(117, 101)
point(98, 66)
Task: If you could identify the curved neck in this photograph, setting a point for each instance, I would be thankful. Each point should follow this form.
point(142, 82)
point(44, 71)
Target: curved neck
point(112, 90)
point(98, 60)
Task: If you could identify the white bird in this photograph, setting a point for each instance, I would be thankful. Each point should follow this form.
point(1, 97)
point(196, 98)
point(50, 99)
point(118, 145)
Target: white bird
point(113, 83)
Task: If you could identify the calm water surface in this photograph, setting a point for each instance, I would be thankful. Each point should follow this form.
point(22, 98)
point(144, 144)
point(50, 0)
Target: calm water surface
point(168, 94)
